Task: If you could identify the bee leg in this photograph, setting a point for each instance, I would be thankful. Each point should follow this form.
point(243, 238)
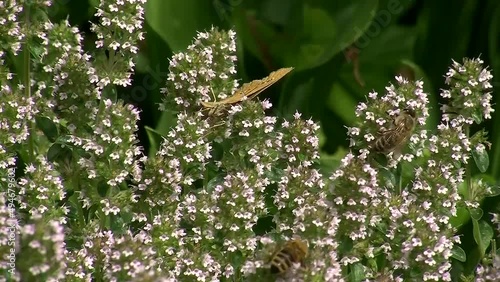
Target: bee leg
point(397, 152)
point(303, 265)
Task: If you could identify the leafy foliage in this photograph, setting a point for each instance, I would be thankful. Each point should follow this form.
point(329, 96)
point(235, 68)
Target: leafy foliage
point(111, 169)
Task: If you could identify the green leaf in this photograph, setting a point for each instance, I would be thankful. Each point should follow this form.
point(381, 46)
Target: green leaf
point(493, 191)
point(109, 92)
point(477, 116)
point(167, 120)
point(153, 138)
point(48, 127)
point(476, 214)
point(330, 29)
point(214, 181)
point(357, 273)
point(102, 188)
point(117, 224)
point(483, 233)
point(462, 217)
point(388, 177)
point(58, 152)
point(329, 162)
point(458, 253)
point(296, 94)
point(310, 35)
point(481, 158)
point(275, 174)
point(322, 137)
point(178, 21)
point(341, 102)
point(383, 57)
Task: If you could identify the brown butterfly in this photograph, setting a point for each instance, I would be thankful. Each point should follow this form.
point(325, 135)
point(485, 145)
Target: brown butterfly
point(248, 90)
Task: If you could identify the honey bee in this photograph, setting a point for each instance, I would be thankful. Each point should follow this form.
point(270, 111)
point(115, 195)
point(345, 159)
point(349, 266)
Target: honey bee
point(248, 90)
point(394, 138)
point(294, 251)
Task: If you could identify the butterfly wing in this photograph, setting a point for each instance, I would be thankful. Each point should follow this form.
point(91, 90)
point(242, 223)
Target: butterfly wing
point(251, 89)
point(263, 84)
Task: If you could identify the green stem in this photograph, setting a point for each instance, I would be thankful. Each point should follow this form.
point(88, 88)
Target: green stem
point(76, 186)
point(27, 81)
point(399, 179)
point(468, 173)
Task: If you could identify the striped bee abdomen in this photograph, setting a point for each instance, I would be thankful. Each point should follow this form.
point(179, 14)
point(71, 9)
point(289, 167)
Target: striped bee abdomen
point(294, 251)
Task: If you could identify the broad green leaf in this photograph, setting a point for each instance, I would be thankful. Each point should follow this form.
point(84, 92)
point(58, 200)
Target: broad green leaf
point(177, 22)
point(483, 233)
point(309, 39)
point(283, 13)
point(482, 159)
point(313, 47)
point(331, 28)
point(458, 253)
point(48, 127)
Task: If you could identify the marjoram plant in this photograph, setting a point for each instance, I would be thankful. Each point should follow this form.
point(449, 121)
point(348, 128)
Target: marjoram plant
point(80, 201)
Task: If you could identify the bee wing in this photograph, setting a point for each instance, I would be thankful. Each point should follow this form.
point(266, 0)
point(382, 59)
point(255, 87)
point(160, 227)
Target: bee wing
point(399, 138)
point(386, 141)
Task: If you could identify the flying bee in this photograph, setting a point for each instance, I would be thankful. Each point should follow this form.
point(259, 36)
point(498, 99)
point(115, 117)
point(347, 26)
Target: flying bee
point(247, 90)
point(394, 138)
point(293, 251)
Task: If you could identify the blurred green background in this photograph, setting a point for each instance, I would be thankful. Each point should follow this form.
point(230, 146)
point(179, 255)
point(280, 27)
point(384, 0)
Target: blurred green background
point(341, 50)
